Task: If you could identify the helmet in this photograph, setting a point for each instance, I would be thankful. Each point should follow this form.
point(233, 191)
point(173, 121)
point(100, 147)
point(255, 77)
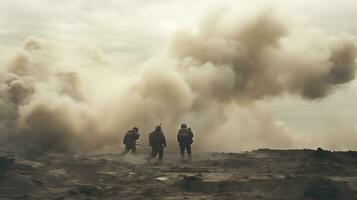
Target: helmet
point(136, 128)
point(183, 126)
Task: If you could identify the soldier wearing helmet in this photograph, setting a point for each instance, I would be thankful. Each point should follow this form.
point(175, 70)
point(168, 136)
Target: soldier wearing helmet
point(157, 142)
point(185, 140)
point(130, 140)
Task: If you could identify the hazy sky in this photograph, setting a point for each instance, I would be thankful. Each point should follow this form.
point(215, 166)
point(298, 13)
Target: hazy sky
point(141, 27)
point(132, 31)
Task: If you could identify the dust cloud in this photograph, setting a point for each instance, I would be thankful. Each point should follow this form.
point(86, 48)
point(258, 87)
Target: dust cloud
point(58, 97)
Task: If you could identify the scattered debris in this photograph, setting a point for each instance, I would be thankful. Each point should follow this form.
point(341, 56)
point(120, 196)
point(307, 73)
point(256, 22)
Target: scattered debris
point(59, 173)
point(163, 178)
point(29, 163)
point(292, 174)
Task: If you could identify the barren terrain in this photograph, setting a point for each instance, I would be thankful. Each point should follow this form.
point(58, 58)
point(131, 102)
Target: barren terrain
point(260, 174)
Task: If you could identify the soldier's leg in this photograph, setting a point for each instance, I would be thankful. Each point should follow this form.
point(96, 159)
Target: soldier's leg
point(153, 152)
point(133, 149)
point(127, 149)
point(150, 155)
point(161, 153)
point(182, 150)
point(188, 148)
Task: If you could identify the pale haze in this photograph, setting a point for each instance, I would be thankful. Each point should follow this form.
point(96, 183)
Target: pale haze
point(76, 75)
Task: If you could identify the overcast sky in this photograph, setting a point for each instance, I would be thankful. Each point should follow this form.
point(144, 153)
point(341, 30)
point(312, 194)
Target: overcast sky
point(141, 26)
point(134, 30)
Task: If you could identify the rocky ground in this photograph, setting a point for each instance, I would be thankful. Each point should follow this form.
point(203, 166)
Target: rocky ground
point(261, 174)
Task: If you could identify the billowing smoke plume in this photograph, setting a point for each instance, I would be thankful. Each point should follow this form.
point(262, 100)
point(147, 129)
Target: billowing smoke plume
point(265, 59)
point(57, 99)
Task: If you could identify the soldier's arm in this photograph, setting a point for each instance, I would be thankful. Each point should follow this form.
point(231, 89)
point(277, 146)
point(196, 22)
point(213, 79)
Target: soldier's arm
point(191, 134)
point(150, 140)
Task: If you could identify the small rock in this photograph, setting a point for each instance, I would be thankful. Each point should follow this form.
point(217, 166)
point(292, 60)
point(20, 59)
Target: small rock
point(59, 173)
point(85, 189)
point(321, 153)
point(31, 164)
point(38, 181)
point(195, 184)
point(163, 178)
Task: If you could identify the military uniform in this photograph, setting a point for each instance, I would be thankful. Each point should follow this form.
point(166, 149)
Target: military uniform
point(157, 142)
point(185, 139)
point(130, 140)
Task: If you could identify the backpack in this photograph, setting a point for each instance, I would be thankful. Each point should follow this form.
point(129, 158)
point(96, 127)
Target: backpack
point(156, 138)
point(130, 137)
point(184, 136)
